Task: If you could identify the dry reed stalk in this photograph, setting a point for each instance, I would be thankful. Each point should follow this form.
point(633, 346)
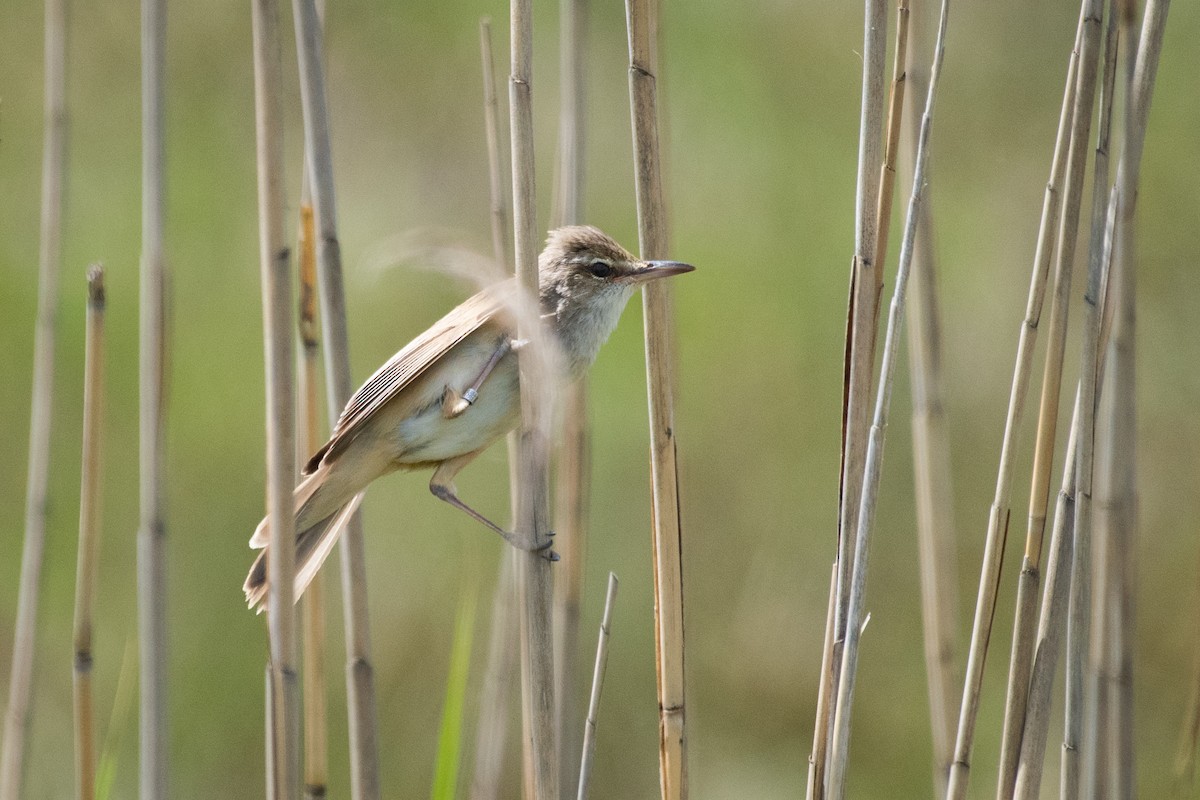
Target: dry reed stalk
point(1117, 469)
point(1035, 717)
point(862, 315)
point(815, 784)
point(589, 734)
point(1080, 609)
point(533, 504)
point(1029, 579)
point(839, 752)
point(308, 439)
point(887, 171)
point(642, 23)
point(360, 676)
point(152, 360)
point(19, 713)
point(316, 747)
point(275, 266)
point(998, 516)
point(574, 451)
point(932, 473)
point(89, 536)
point(492, 726)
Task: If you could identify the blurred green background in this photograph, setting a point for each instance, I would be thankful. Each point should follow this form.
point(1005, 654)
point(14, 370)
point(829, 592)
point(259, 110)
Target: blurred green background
point(761, 106)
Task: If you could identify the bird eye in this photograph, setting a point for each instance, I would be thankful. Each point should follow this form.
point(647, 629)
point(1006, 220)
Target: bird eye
point(600, 269)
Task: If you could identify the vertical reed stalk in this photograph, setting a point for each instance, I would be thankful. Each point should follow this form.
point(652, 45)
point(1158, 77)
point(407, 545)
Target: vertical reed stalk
point(887, 171)
point(152, 357)
point(642, 22)
point(862, 316)
point(1030, 576)
point(1035, 717)
point(815, 786)
point(360, 676)
point(316, 748)
point(574, 468)
point(1117, 469)
point(998, 517)
point(308, 439)
point(1080, 610)
point(932, 472)
point(492, 728)
point(589, 734)
point(840, 745)
point(275, 265)
point(19, 712)
point(89, 536)
point(533, 506)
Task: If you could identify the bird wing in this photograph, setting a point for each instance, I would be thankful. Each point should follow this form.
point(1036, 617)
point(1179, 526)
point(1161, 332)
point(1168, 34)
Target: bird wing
point(414, 359)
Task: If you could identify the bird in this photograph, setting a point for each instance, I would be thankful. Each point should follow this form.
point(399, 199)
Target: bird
point(451, 392)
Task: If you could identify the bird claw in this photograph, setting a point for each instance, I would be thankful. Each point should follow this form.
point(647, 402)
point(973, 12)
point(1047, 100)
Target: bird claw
point(550, 556)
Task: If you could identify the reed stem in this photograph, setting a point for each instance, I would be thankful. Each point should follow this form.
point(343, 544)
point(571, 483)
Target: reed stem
point(360, 674)
point(589, 734)
point(19, 713)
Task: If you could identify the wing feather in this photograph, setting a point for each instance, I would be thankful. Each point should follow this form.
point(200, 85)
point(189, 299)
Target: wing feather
point(414, 359)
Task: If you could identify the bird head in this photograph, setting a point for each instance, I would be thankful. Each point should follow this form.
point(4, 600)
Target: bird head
point(585, 280)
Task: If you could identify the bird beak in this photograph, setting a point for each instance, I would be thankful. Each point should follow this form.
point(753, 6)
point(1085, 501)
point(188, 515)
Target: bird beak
point(650, 270)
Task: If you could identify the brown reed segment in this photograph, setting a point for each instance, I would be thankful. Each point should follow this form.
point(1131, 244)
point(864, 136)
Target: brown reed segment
point(533, 502)
point(1030, 576)
point(1080, 608)
point(275, 268)
point(932, 472)
point(360, 676)
point(998, 516)
point(492, 727)
point(316, 735)
point(589, 734)
point(574, 446)
point(19, 713)
point(643, 27)
point(90, 492)
point(152, 361)
point(840, 745)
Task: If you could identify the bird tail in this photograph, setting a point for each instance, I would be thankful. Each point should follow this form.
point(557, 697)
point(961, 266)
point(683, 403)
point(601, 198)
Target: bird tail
point(313, 543)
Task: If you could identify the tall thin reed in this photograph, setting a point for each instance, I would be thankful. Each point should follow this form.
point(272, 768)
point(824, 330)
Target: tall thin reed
point(862, 316)
point(360, 676)
point(316, 735)
point(815, 784)
point(1035, 717)
point(998, 516)
point(308, 439)
point(1043, 457)
point(932, 473)
point(887, 171)
point(275, 266)
point(492, 726)
point(89, 536)
point(643, 26)
point(19, 712)
point(574, 452)
point(1080, 610)
point(152, 359)
point(533, 502)
point(840, 745)
point(1117, 470)
point(589, 734)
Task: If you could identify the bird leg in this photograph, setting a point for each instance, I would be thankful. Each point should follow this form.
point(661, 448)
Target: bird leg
point(453, 403)
point(442, 487)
